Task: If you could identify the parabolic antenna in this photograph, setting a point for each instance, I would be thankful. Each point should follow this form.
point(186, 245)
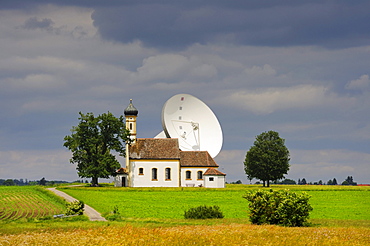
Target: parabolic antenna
point(193, 123)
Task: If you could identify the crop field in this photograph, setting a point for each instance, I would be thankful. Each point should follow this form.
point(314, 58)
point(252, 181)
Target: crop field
point(342, 203)
point(18, 202)
point(235, 234)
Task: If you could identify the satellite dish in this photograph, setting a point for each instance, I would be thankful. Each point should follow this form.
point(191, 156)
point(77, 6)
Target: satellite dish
point(193, 123)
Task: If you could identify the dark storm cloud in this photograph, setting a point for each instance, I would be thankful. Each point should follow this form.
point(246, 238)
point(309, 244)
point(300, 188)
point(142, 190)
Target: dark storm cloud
point(329, 24)
point(178, 24)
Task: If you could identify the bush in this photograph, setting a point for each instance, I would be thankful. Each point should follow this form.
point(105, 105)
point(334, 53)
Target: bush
point(204, 212)
point(278, 207)
point(76, 207)
point(114, 215)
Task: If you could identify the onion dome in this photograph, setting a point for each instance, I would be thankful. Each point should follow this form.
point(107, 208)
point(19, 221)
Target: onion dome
point(130, 110)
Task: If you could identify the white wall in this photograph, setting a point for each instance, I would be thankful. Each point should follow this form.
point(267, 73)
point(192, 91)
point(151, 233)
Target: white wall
point(118, 180)
point(218, 181)
point(194, 176)
point(145, 180)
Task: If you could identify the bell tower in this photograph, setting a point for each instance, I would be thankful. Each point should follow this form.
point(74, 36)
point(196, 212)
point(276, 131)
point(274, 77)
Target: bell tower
point(131, 114)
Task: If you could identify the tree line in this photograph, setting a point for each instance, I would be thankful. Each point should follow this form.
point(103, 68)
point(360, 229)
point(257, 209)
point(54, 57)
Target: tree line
point(42, 181)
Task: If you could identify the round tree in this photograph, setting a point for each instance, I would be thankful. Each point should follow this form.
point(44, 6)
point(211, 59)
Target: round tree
point(91, 143)
point(268, 159)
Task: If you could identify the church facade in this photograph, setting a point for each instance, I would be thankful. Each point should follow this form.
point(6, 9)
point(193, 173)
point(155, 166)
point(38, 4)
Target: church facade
point(159, 162)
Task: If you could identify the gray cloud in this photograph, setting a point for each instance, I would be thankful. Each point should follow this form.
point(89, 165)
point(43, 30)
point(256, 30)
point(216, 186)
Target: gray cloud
point(173, 25)
point(35, 23)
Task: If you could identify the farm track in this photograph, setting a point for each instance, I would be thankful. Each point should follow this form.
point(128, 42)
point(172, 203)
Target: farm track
point(88, 211)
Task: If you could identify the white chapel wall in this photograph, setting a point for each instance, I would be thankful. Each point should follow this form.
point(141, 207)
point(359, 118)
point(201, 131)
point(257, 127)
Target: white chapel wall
point(193, 181)
point(214, 181)
point(144, 179)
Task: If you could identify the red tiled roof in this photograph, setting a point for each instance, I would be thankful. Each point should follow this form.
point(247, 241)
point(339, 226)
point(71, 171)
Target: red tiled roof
point(213, 171)
point(122, 170)
point(155, 148)
point(196, 159)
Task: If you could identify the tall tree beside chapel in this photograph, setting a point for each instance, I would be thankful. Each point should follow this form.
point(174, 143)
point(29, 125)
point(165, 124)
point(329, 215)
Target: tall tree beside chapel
point(91, 143)
point(268, 159)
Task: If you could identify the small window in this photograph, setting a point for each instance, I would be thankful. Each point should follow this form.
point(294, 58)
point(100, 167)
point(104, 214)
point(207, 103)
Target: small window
point(130, 126)
point(200, 175)
point(211, 178)
point(141, 171)
point(154, 174)
point(188, 175)
point(180, 108)
point(168, 173)
point(180, 118)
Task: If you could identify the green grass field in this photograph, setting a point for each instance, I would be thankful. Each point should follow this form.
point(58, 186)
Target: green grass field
point(329, 202)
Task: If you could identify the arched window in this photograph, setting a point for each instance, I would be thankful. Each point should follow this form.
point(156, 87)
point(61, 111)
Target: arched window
point(188, 174)
point(141, 171)
point(154, 174)
point(200, 175)
point(168, 173)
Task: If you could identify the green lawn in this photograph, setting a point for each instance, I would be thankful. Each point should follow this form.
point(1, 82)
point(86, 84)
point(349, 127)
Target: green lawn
point(329, 202)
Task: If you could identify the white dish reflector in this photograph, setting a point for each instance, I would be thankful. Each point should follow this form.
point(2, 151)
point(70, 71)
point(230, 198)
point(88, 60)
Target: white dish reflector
point(194, 124)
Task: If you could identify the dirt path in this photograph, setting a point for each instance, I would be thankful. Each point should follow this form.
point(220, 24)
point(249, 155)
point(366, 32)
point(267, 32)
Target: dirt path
point(88, 211)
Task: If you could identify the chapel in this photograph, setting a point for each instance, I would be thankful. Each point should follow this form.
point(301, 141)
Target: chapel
point(159, 162)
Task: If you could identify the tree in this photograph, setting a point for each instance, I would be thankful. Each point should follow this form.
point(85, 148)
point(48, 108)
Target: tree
point(349, 181)
point(91, 143)
point(9, 182)
point(42, 181)
point(335, 181)
point(303, 182)
point(268, 159)
point(288, 182)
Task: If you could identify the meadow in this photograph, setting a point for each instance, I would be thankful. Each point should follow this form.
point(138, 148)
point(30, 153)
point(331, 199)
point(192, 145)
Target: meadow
point(154, 216)
point(329, 202)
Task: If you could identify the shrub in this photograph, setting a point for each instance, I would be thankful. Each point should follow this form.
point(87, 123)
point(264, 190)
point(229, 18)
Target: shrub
point(278, 207)
point(114, 215)
point(204, 212)
point(76, 207)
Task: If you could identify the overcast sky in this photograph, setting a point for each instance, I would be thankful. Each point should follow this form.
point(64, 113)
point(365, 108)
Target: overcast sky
point(300, 68)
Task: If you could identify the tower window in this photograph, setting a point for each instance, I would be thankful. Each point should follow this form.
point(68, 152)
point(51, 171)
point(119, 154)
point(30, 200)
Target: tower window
point(168, 173)
point(154, 174)
point(188, 175)
point(130, 126)
point(200, 175)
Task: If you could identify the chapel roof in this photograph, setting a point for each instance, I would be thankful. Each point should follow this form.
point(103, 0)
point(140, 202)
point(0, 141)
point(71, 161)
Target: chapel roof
point(121, 170)
point(155, 148)
point(196, 159)
point(213, 171)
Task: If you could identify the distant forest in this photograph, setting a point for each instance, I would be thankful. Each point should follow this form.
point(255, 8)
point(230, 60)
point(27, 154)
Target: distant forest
point(43, 181)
